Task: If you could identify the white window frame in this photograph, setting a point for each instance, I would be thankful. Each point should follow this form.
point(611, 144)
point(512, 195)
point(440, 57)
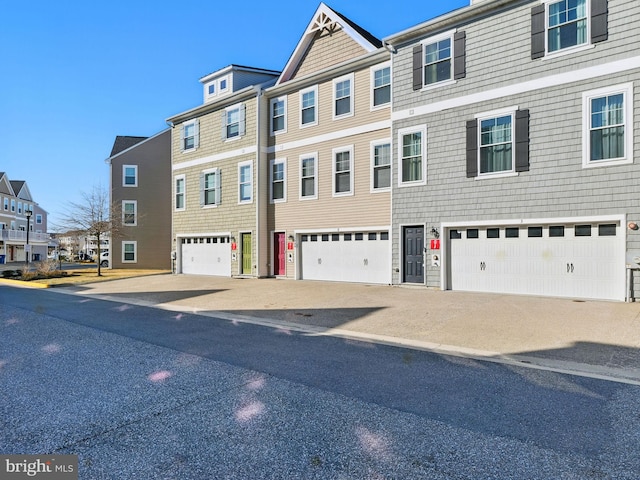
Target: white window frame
point(273, 162)
point(626, 90)
point(6, 203)
point(315, 106)
point(135, 213)
point(241, 165)
point(19, 207)
point(196, 135)
point(124, 175)
point(566, 50)
point(272, 102)
point(176, 193)
point(334, 171)
point(135, 251)
point(372, 78)
point(503, 112)
point(241, 122)
point(38, 218)
point(217, 88)
point(13, 205)
point(423, 148)
point(217, 199)
point(430, 41)
point(345, 78)
point(314, 156)
point(373, 145)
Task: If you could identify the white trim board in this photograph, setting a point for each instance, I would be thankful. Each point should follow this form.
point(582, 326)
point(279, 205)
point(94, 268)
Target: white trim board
point(619, 66)
point(214, 158)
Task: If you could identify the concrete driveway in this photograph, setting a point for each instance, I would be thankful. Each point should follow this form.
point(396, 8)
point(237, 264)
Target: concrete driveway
point(591, 338)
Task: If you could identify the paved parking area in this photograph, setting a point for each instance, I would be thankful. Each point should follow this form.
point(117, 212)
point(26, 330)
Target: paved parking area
point(594, 338)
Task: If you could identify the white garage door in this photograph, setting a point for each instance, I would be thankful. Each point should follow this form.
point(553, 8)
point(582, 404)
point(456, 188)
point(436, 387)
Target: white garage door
point(578, 261)
point(206, 256)
point(361, 257)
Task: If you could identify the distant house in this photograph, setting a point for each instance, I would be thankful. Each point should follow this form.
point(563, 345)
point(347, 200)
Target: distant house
point(140, 173)
point(21, 217)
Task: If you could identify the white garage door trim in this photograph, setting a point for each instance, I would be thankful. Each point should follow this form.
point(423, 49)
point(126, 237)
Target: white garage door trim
point(208, 254)
point(556, 266)
point(356, 256)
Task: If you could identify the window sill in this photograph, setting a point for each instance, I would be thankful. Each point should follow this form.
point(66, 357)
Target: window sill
point(487, 176)
point(381, 190)
point(434, 86)
point(307, 125)
point(213, 205)
point(342, 194)
point(373, 108)
point(606, 163)
point(412, 184)
point(567, 51)
point(344, 115)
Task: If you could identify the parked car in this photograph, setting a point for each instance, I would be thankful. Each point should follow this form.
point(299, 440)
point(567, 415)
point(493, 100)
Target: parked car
point(104, 259)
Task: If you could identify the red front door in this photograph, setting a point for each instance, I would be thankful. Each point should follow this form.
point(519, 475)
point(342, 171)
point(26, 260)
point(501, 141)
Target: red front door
point(279, 254)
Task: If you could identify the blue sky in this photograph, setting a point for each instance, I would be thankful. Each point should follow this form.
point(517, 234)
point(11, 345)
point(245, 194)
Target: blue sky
point(77, 73)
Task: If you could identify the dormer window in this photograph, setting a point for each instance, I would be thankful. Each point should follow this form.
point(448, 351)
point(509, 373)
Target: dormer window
point(216, 88)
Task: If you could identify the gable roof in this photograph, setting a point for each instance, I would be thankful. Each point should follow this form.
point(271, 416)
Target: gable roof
point(123, 142)
point(5, 185)
point(328, 19)
point(21, 190)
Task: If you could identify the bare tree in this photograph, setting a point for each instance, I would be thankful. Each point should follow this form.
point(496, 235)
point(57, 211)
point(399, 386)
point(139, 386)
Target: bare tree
point(94, 216)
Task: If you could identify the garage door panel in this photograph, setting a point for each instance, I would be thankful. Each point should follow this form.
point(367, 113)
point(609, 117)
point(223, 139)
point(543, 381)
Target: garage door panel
point(206, 256)
point(365, 260)
point(566, 266)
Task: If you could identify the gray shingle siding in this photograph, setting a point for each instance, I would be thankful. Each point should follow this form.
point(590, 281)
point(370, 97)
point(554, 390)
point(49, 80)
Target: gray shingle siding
point(498, 54)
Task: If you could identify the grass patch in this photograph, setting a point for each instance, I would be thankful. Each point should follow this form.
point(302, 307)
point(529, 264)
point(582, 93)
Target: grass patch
point(90, 275)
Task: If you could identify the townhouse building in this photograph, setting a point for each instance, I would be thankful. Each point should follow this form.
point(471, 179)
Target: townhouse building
point(140, 175)
point(20, 214)
point(516, 155)
point(218, 154)
point(329, 156)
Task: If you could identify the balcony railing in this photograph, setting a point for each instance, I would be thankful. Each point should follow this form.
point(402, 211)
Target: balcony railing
point(21, 236)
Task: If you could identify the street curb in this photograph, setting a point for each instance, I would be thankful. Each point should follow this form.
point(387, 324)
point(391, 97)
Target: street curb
point(23, 284)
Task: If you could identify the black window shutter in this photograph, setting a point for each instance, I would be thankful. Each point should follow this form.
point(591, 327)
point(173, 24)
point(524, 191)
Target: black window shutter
point(599, 21)
point(460, 55)
point(472, 148)
point(417, 67)
point(522, 141)
point(538, 31)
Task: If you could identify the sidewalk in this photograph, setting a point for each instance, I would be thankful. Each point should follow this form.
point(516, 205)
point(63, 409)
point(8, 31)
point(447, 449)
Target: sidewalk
point(594, 338)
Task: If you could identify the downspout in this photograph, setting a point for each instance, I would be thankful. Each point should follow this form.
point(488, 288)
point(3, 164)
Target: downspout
point(392, 50)
point(259, 92)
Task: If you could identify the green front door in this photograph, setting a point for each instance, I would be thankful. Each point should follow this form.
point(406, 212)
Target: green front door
point(246, 254)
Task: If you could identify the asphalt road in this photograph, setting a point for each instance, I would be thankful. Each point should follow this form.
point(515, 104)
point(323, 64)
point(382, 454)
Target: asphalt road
point(138, 392)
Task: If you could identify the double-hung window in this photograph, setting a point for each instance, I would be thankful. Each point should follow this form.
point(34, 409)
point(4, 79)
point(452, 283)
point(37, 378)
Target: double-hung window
point(278, 115)
point(380, 165)
point(608, 126)
point(308, 176)
point(19, 207)
point(180, 192)
point(190, 135)
point(308, 106)
point(233, 122)
point(343, 171)
point(129, 212)
point(210, 191)
point(39, 218)
point(439, 60)
point(129, 175)
point(6, 203)
point(380, 85)
point(278, 180)
point(343, 96)
point(129, 251)
point(245, 182)
point(412, 155)
point(567, 24)
point(13, 205)
point(498, 143)
point(559, 26)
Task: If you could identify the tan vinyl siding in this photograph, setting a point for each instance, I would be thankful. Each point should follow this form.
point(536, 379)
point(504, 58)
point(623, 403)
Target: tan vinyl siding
point(328, 49)
point(229, 215)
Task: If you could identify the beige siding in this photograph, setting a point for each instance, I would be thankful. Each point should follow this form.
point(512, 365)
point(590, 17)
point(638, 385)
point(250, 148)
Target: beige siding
point(328, 49)
point(229, 215)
